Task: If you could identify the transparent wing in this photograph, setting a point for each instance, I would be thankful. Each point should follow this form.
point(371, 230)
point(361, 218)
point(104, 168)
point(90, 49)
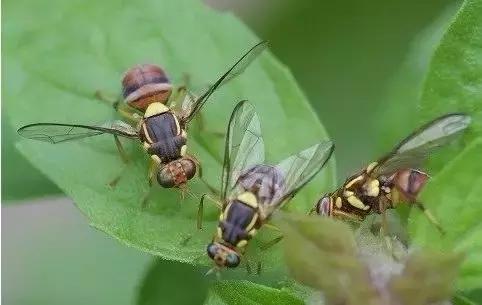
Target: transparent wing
point(414, 149)
point(244, 146)
point(297, 171)
point(57, 133)
point(193, 106)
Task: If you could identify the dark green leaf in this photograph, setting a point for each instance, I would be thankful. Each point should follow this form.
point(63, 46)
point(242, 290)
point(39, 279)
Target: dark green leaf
point(58, 68)
point(247, 293)
point(172, 283)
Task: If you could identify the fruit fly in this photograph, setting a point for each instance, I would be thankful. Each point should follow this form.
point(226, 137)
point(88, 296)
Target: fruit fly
point(395, 178)
point(161, 130)
point(145, 84)
point(251, 190)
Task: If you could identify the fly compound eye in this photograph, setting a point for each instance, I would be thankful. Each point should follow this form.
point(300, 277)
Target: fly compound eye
point(232, 260)
point(164, 177)
point(324, 206)
point(212, 250)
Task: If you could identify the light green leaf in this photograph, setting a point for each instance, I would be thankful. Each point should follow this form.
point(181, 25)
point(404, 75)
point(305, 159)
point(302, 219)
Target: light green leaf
point(454, 83)
point(20, 180)
point(248, 293)
point(172, 283)
point(454, 197)
point(60, 57)
point(454, 80)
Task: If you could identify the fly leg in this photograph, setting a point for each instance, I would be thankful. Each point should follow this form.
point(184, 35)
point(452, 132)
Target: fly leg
point(199, 171)
point(200, 211)
point(124, 111)
point(430, 217)
point(153, 169)
point(124, 158)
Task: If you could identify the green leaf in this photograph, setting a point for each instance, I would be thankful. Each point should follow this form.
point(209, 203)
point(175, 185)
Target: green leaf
point(58, 68)
point(172, 283)
point(454, 197)
point(454, 80)
point(396, 117)
point(18, 173)
point(248, 293)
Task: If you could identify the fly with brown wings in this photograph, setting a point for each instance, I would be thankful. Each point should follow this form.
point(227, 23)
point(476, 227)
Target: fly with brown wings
point(251, 190)
point(395, 178)
point(155, 119)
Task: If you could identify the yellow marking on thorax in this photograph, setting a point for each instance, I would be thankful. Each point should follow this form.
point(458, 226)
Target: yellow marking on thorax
point(252, 223)
point(353, 181)
point(242, 243)
point(338, 202)
point(249, 199)
point(372, 188)
point(357, 203)
point(156, 159)
point(146, 145)
point(348, 193)
point(183, 150)
point(146, 134)
point(155, 109)
point(220, 233)
point(178, 127)
point(252, 232)
point(370, 167)
point(183, 134)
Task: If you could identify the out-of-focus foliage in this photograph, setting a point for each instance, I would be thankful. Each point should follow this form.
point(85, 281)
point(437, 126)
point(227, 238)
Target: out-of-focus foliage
point(110, 36)
point(325, 255)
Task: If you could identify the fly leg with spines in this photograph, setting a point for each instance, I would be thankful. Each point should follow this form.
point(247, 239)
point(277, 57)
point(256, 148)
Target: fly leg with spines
point(126, 112)
point(199, 171)
point(274, 241)
point(153, 169)
point(124, 158)
point(200, 211)
point(430, 216)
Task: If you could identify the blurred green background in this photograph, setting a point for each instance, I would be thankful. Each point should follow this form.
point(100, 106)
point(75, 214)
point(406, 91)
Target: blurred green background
point(353, 59)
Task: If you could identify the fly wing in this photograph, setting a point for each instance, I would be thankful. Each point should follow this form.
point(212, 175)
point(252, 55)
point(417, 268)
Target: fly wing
point(57, 133)
point(244, 145)
point(414, 149)
point(192, 106)
point(297, 171)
